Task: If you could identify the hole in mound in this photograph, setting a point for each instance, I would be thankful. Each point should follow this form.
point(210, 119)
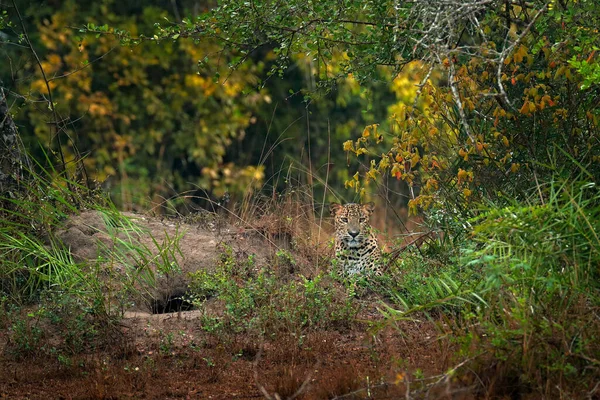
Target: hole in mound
point(171, 304)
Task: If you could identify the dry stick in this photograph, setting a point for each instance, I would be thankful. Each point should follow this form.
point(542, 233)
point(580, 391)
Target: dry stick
point(446, 377)
point(352, 394)
point(396, 253)
point(261, 388)
point(306, 382)
point(421, 85)
point(83, 67)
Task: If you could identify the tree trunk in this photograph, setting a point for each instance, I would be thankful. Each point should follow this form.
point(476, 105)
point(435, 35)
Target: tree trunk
point(11, 156)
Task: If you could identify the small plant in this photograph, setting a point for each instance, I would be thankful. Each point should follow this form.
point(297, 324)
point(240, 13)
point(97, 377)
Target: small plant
point(416, 281)
point(166, 343)
point(25, 333)
point(284, 261)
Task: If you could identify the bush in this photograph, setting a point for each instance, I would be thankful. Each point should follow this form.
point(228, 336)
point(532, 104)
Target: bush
point(541, 264)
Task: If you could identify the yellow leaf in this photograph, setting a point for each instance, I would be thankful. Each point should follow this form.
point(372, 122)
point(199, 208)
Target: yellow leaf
point(520, 54)
point(467, 192)
point(372, 174)
point(399, 378)
point(568, 73)
point(432, 184)
point(412, 207)
point(414, 160)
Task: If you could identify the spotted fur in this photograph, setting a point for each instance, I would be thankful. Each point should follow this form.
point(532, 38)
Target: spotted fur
point(356, 247)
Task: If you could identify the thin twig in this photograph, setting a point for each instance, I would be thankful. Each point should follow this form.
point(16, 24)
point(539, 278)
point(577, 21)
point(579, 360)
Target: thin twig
point(47, 83)
point(82, 68)
point(57, 121)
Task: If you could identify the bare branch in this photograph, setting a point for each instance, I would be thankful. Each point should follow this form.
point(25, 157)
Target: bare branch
point(457, 100)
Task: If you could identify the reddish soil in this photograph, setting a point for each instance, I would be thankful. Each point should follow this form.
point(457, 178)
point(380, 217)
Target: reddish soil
point(198, 365)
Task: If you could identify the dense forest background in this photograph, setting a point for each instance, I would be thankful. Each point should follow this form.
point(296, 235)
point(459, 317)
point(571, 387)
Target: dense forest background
point(159, 99)
point(154, 121)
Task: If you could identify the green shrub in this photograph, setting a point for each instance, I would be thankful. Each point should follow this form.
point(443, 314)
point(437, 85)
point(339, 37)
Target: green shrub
point(256, 300)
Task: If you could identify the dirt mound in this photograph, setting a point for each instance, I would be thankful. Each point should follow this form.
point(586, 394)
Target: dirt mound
point(187, 248)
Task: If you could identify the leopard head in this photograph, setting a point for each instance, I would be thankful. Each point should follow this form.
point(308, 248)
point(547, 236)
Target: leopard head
point(352, 227)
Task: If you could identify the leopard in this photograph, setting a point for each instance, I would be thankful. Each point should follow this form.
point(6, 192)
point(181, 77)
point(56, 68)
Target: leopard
point(356, 247)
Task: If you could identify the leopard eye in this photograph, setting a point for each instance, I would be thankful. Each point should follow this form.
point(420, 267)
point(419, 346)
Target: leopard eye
point(344, 219)
point(362, 219)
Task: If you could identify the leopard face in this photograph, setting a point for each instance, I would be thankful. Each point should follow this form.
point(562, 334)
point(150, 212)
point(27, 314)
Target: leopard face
point(356, 246)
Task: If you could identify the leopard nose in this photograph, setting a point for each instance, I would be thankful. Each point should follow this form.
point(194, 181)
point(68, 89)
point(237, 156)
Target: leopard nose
point(354, 233)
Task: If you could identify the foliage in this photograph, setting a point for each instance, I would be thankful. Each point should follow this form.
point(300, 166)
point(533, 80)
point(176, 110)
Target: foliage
point(527, 314)
point(540, 263)
point(513, 74)
point(146, 114)
point(32, 331)
point(45, 291)
point(420, 282)
point(160, 117)
point(505, 113)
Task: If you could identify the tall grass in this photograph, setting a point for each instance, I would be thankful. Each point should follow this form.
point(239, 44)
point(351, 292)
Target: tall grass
point(536, 328)
point(541, 263)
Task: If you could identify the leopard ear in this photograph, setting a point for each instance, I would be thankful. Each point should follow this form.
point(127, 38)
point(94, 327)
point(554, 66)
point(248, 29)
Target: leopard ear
point(368, 207)
point(334, 208)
